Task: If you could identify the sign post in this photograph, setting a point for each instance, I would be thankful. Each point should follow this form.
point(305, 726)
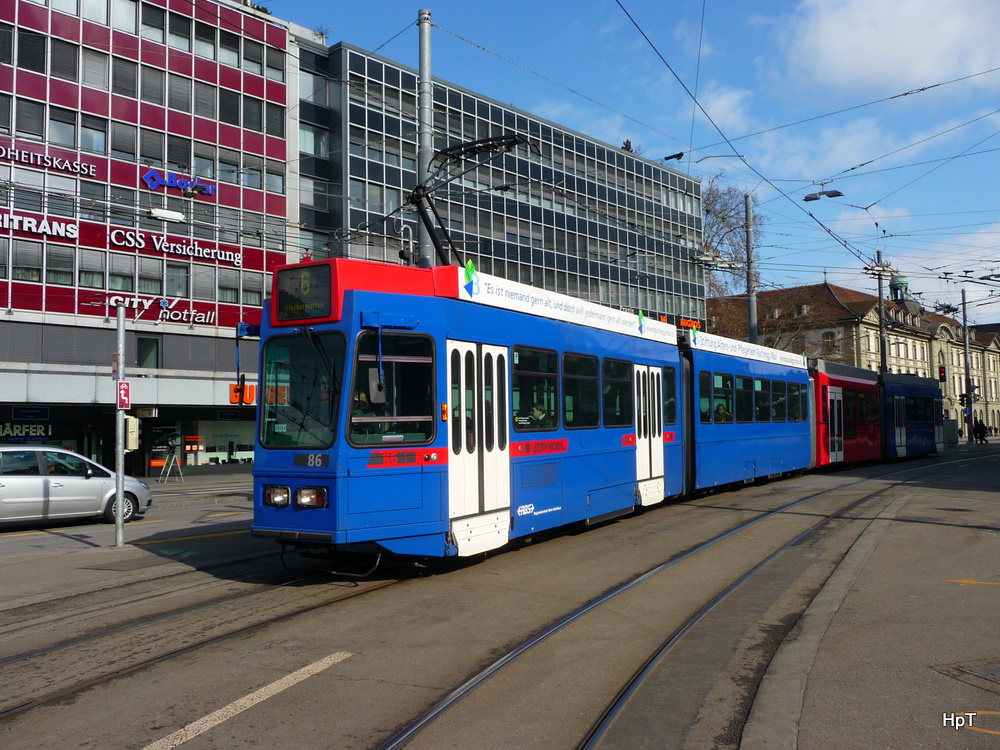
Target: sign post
point(123, 394)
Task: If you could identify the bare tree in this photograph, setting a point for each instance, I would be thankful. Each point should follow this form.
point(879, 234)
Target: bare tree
point(724, 237)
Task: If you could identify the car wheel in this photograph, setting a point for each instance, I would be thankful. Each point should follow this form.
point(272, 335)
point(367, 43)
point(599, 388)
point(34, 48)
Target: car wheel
point(129, 503)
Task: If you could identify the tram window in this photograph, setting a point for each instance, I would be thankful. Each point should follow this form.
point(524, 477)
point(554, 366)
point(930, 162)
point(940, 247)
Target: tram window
point(804, 402)
point(722, 398)
point(705, 396)
point(581, 391)
point(850, 413)
point(501, 402)
point(669, 395)
point(535, 389)
point(469, 416)
point(488, 398)
point(779, 405)
point(402, 400)
point(794, 405)
point(617, 393)
point(744, 399)
point(455, 400)
point(300, 390)
point(871, 410)
point(762, 399)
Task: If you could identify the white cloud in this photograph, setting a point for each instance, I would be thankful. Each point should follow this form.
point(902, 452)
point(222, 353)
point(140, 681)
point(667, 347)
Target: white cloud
point(891, 45)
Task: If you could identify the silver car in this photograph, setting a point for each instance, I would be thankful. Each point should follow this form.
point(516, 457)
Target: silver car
point(39, 482)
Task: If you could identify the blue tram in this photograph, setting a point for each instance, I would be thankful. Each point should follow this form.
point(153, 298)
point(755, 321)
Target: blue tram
point(749, 415)
point(442, 412)
point(912, 416)
point(437, 412)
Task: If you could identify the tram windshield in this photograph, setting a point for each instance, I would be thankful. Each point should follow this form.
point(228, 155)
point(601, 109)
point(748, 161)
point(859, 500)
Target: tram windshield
point(393, 389)
point(301, 390)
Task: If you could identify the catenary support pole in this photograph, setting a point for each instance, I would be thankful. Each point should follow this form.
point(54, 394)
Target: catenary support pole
point(751, 272)
point(425, 129)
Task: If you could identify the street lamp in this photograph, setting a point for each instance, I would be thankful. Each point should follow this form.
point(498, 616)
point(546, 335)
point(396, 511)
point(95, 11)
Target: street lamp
point(678, 156)
point(823, 194)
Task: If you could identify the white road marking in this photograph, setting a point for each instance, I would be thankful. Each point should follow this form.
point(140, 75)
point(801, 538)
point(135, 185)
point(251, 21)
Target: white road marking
point(248, 701)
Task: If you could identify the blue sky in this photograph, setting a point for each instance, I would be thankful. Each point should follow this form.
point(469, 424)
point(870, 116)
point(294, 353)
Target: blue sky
point(888, 101)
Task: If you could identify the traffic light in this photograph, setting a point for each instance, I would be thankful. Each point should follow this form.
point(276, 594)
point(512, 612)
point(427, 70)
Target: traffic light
point(963, 399)
point(942, 373)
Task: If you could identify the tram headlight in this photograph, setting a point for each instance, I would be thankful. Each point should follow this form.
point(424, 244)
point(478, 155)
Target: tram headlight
point(310, 497)
point(276, 495)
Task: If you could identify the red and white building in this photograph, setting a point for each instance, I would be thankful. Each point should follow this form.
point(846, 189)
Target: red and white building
point(143, 153)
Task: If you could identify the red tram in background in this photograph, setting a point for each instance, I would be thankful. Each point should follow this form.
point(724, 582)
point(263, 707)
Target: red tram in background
point(848, 417)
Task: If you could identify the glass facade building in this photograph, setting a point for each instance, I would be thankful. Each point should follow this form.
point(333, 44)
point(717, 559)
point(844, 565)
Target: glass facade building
point(561, 211)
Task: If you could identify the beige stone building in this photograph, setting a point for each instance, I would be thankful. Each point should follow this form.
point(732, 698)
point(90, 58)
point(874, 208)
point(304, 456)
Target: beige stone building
point(842, 325)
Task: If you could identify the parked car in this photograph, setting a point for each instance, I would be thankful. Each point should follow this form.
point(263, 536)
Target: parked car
point(40, 482)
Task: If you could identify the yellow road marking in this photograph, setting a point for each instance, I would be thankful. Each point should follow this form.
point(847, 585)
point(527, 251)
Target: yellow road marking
point(985, 731)
point(981, 583)
point(234, 513)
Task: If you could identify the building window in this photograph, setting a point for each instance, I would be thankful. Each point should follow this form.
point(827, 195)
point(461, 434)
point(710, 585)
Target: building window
point(92, 269)
point(253, 114)
point(153, 83)
point(177, 280)
point(204, 40)
point(229, 107)
point(124, 15)
point(69, 7)
point(94, 134)
point(229, 285)
point(179, 96)
point(147, 352)
point(229, 48)
point(95, 69)
point(150, 276)
point(121, 275)
point(180, 32)
point(30, 122)
point(275, 59)
point(27, 261)
point(59, 265)
point(96, 11)
point(275, 115)
point(153, 23)
point(125, 78)
point(313, 140)
point(65, 60)
point(30, 51)
point(253, 57)
point(62, 127)
point(123, 138)
point(61, 195)
point(253, 286)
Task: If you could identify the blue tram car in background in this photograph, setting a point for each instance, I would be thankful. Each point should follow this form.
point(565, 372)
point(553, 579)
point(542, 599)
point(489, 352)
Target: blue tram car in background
point(749, 415)
point(912, 416)
point(441, 412)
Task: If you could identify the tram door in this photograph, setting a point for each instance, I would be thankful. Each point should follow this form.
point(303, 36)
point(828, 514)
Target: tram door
point(899, 412)
point(478, 447)
point(649, 434)
point(836, 425)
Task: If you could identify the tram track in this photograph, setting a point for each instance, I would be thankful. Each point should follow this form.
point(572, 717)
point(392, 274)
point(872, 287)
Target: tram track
point(423, 730)
point(99, 653)
point(731, 521)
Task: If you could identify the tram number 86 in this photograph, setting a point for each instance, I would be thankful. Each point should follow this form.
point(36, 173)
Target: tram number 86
point(311, 459)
